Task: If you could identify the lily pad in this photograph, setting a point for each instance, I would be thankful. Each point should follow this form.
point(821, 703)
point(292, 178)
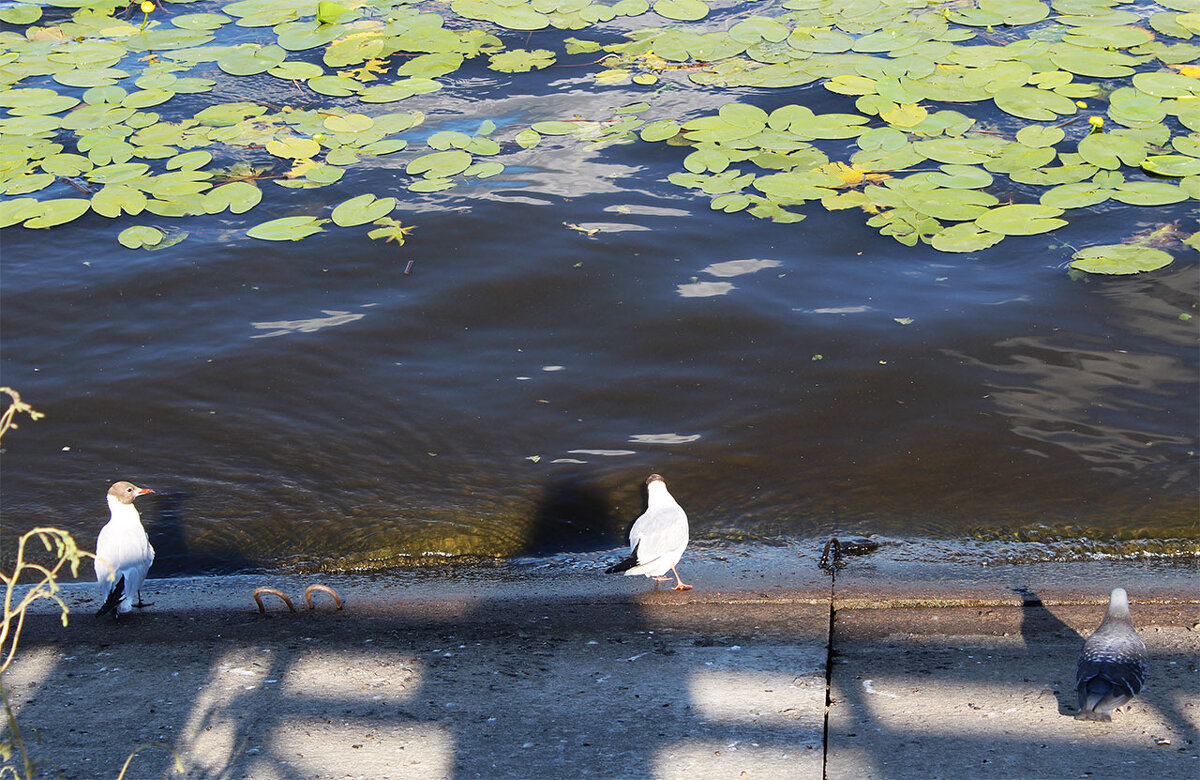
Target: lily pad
point(681, 10)
point(139, 237)
point(1033, 103)
point(287, 228)
point(1120, 259)
point(58, 211)
point(964, 237)
point(1021, 219)
point(1171, 165)
point(361, 210)
point(439, 165)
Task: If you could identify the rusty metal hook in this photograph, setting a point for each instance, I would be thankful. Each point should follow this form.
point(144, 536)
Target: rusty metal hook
point(259, 592)
point(308, 595)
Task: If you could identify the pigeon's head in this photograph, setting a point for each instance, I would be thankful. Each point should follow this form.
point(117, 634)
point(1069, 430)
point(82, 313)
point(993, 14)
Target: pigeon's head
point(125, 492)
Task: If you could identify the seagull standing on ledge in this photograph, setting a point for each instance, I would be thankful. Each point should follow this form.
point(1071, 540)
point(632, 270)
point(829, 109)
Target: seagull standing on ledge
point(123, 552)
point(658, 538)
point(1112, 665)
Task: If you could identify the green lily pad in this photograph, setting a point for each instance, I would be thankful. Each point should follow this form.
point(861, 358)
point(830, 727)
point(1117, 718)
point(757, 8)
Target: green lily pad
point(17, 210)
point(1167, 85)
point(1075, 196)
point(58, 211)
point(513, 17)
point(1033, 103)
point(1120, 259)
point(521, 60)
point(1176, 165)
point(1040, 136)
point(964, 237)
point(961, 177)
point(200, 21)
point(22, 14)
point(681, 10)
point(950, 204)
point(237, 196)
point(660, 131)
point(400, 90)
point(1108, 150)
point(249, 59)
point(190, 161)
point(1149, 193)
point(287, 228)
point(1021, 219)
point(140, 236)
point(335, 86)
point(439, 165)
point(294, 148)
point(1097, 63)
point(361, 210)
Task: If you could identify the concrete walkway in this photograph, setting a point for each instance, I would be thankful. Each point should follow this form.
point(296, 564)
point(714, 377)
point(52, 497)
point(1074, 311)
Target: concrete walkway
point(939, 669)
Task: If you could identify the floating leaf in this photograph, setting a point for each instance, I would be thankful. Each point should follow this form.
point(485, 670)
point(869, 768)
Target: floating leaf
point(330, 13)
point(964, 237)
point(681, 10)
point(294, 148)
point(1033, 103)
point(439, 165)
point(1167, 85)
point(1120, 259)
point(249, 59)
point(287, 228)
point(58, 211)
point(1022, 219)
point(1148, 193)
point(22, 14)
point(238, 196)
point(1171, 165)
point(521, 60)
point(140, 236)
point(361, 210)
point(1039, 136)
point(114, 199)
point(660, 131)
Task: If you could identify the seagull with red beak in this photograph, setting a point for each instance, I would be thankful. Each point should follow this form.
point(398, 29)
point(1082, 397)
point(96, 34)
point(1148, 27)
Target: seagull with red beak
point(123, 552)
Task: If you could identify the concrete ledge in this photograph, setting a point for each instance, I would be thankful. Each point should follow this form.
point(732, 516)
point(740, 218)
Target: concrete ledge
point(939, 669)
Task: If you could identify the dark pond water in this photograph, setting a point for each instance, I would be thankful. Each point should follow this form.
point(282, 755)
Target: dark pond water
point(503, 383)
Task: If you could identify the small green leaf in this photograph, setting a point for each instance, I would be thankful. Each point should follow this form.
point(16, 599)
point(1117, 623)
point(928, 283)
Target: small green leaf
point(140, 236)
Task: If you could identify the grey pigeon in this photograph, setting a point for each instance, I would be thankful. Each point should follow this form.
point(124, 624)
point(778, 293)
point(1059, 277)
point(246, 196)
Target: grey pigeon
point(658, 538)
point(1112, 664)
point(123, 552)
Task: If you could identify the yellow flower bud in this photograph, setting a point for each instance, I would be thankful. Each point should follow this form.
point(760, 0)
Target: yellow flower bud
point(1081, 104)
point(147, 6)
point(1096, 121)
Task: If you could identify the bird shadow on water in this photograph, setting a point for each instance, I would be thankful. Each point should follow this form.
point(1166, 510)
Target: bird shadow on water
point(165, 519)
point(574, 514)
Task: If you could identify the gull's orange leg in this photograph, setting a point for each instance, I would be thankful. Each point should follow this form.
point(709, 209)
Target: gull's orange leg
point(679, 583)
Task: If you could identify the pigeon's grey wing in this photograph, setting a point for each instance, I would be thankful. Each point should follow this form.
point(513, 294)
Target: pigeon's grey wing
point(659, 532)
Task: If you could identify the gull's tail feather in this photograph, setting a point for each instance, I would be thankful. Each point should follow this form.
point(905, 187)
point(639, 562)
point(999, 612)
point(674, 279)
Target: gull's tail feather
point(114, 598)
point(624, 565)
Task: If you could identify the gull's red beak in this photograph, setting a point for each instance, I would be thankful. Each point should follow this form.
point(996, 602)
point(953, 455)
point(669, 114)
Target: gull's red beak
point(144, 491)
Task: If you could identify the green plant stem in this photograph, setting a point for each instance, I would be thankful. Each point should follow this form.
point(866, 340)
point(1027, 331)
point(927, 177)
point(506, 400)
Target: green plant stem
point(16, 733)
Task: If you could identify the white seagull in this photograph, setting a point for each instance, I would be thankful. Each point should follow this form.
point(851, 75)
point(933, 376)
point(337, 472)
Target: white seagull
point(123, 552)
point(658, 538)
